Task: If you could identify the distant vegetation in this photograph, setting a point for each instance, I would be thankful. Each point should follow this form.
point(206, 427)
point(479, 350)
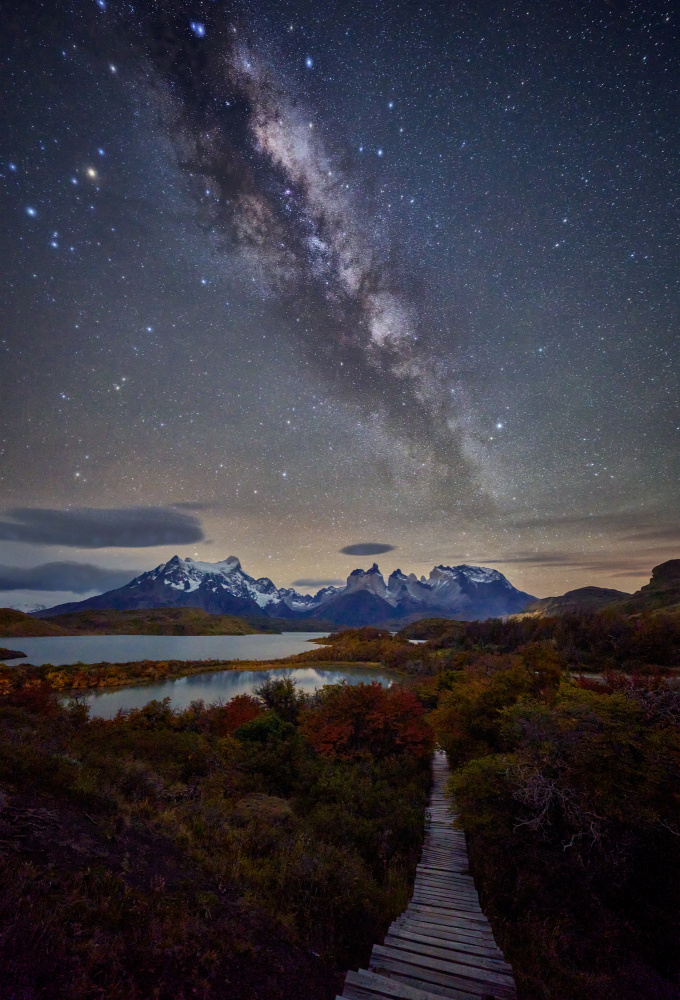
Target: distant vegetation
point(154, 621)
point(608, 640)
point(600, 642)
point(16, 624)
point(148, 621)
point(76, 677)
point(245, 850)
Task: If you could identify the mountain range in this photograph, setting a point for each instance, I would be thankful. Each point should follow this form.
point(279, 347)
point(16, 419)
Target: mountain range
point(462, 592)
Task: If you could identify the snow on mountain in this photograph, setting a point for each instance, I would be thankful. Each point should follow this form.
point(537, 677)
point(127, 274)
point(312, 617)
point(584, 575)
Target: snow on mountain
point(458, 591)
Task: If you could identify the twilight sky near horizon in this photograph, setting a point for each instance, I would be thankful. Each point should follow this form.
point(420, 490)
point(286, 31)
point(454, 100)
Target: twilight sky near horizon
point(281, 278)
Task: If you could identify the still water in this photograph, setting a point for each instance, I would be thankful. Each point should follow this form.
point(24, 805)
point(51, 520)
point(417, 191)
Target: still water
point(63, 649)
point(222, 685)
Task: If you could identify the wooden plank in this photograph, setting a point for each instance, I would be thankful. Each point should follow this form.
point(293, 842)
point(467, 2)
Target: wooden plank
point(446, 912)
point(357, 993)
point(463, 906)
point(477, 950)
point(443, 868)
point(428, 978)
point(457, 911)
point(443, 890)
point(457, 885)
point(443, 876)
point(442, 965)
point(445, 951)
point(447, 888)
point(446, 930)
point(463, 893)
point(441, 933)
point(393, 988)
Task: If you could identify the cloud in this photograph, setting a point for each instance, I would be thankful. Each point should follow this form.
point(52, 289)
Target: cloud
point(317, 583)
point(98, 528)
point(635, 564)
point(538, 559)
point(76, 577)
point(636, 525)
point(366, 549)
point(661, 533)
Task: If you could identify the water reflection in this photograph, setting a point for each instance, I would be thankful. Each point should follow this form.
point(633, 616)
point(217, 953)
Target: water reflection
point(222, 685)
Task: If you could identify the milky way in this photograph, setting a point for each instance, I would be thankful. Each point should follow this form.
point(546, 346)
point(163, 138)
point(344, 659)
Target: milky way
point(290, 280)
point(290, 210)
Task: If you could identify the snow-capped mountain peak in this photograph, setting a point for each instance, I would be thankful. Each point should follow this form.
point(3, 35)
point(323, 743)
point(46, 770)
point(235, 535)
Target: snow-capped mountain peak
point(224, 586)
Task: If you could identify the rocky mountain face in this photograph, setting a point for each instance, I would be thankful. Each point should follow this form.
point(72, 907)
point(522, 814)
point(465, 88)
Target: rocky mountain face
point(463, 592)
point(661, 593)
point(583, 599)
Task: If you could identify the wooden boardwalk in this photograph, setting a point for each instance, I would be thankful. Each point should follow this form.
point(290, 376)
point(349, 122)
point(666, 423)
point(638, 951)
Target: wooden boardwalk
point(442, 944)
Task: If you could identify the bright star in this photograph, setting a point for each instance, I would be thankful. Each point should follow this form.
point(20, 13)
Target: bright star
point(309, 62)
point(32, 212)
point(91, 172)
point(198, 28)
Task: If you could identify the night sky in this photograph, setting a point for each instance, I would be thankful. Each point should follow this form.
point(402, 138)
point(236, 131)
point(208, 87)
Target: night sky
point(282, 278)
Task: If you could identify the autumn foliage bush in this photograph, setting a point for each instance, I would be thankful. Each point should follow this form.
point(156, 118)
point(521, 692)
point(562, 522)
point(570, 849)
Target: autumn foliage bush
point(212, 852)
point(350, 722)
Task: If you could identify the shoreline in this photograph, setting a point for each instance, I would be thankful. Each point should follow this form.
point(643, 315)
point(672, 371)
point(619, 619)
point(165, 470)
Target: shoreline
point(71, 679)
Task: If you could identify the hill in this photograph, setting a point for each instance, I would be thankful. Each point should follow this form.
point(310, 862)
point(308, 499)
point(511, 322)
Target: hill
point(155, 621)
point(574, 602)
point(662, 593)
point(16, 624)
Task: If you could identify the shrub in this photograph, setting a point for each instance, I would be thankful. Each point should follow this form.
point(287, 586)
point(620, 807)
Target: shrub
point(353, 721)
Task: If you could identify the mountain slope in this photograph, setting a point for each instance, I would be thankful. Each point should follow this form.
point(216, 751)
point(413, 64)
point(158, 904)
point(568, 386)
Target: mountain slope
point(661, 593)
point(463, 592)
point(583, 599)
point(17, 624)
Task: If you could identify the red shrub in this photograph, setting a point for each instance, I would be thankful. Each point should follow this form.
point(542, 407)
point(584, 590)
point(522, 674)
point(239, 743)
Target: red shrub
point(353, 721)
point(241, 709)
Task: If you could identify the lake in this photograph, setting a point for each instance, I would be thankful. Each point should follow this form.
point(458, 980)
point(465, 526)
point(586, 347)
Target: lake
point(63, 649)
point(222, 685)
